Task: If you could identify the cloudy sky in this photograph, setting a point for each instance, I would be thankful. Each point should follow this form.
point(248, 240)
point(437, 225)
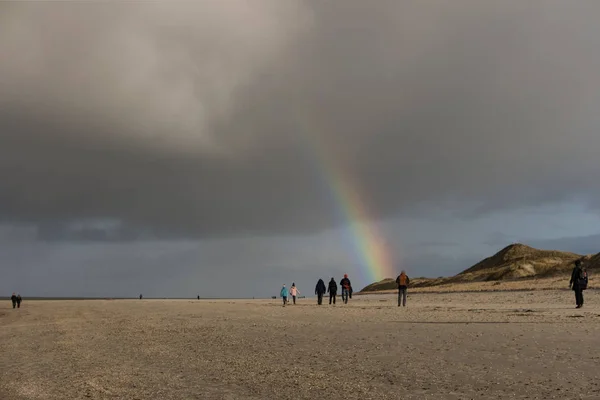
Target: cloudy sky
point(184, 148)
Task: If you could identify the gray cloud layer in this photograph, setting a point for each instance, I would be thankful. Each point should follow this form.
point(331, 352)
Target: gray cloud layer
point(196, 120)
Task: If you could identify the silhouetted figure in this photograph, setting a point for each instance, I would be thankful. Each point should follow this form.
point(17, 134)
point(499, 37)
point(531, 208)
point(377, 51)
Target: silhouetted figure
point(141, 296)
point(320, 290)
point(13, 298)
point(579, 281)
point(332, 290)
point(346, 285)
point(198, 297)
point(402, 281)
point(19, 300)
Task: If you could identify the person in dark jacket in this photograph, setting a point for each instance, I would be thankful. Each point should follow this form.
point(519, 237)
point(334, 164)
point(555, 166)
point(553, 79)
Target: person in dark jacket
point(402, 281)
point(13, 298)
point(578, 282)
point(320, 290)
point(332, 290)
point(346, 285)
point(19, 300)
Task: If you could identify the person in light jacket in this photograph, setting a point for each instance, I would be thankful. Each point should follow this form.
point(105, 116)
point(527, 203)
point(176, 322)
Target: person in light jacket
point(294, 292)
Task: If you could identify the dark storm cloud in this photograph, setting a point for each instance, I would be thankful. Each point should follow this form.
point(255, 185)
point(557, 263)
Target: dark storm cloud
point(194, 120)
point(577, 244)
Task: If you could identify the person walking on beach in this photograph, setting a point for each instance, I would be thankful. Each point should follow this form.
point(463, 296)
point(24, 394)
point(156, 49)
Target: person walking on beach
point(320, 290)
point(332, 290)
point(13, 298)
point(346, 285)
point(284, 294)
point(19, 300)
point(578, 282)
point(402, 281)
point(294, 292)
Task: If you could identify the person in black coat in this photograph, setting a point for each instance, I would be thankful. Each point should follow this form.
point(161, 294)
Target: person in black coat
point(332, 290)
point(320, 290)
point(578, 283)
point(13, 298)
point(19, 300)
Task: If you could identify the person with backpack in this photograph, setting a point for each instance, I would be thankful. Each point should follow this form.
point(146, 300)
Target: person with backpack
point(578, 282)
point(284, 294)
point(346, 285)
point(13, 298)
point(402, 281)
point(332, 290)
point(320, 290)
point(294, 292)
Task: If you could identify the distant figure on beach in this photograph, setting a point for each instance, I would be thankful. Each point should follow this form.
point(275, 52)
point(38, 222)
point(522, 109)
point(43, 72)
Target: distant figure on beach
point(198, 297)
point(320, 290)
point(141, 296)
point(332, 289)
point(13, 298)
point(402, 281)
point(19, 300)
point(578, 282)
point(346, 285)
point(284, 294)
point(294, 292)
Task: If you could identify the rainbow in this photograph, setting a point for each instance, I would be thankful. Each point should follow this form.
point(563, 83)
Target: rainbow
point(368, 243)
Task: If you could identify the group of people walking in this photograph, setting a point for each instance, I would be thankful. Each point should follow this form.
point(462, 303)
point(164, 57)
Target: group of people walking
point(16, 300)
point(321, 290)
point(578, 283)
point(402, 282)
point(332, 289)
point(285, 293)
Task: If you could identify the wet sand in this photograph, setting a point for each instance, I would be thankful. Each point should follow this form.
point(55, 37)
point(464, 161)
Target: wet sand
point(533, 345)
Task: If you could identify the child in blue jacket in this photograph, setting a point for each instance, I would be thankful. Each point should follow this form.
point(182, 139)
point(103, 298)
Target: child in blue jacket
point(284, 294)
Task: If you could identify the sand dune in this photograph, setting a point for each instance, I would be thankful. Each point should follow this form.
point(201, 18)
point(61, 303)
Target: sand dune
point(515, 267)
point(451, 346)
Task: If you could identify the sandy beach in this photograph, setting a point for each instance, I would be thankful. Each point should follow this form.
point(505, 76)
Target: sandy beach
point(527, 344)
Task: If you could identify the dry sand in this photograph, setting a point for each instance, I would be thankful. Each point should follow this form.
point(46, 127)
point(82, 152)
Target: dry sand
point(452, 346)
